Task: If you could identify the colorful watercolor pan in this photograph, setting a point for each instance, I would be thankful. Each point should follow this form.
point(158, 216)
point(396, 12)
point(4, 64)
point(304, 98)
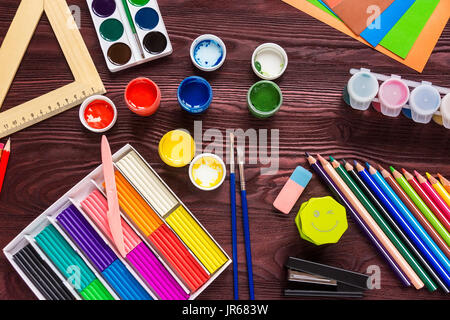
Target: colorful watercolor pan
point(169, 255)
point(116, 37)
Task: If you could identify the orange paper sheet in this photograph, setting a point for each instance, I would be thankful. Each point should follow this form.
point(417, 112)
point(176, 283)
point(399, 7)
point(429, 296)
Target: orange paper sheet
point(420, 52)
point(332, 3)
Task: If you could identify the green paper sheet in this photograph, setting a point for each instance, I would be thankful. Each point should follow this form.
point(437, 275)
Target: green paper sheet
point(321, 6)
point(402, 36)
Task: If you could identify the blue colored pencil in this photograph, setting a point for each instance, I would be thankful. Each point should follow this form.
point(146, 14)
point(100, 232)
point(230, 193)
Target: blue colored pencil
point(248, 249)
point(233, 220)
point(392, 209)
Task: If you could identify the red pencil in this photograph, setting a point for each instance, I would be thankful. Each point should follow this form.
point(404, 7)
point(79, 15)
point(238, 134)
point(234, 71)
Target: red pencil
point(438, 201)
point(4, 162)
point(416, 186)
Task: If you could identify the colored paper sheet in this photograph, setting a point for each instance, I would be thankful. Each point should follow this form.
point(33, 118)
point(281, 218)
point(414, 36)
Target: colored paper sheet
point(332, 3)
point(123, 282)
point(321, 5)
point(420, 51)
point(402, 36)
point(358, 15)
point(386, 21)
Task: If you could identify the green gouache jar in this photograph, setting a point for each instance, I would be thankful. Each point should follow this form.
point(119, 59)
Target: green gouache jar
point(264, 99)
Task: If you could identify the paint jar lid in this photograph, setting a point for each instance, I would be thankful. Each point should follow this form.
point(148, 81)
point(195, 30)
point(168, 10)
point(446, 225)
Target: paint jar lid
point(264, 99)
point(393, 95)
point(445, 111)
point(269, 61)
point(362, 89)
point(208, 52)
point(207, 171)
point(177, 148)
point(98, 113)
point(424, 101)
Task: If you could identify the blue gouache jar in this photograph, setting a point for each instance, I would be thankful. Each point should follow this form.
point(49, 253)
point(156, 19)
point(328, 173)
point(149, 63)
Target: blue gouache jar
point(194, 94)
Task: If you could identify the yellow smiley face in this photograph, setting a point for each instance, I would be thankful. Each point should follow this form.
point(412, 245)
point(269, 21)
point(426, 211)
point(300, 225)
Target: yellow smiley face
point(321, 220)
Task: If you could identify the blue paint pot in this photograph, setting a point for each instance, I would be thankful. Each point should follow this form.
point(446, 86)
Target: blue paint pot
point(147, 18)
point(194, 94)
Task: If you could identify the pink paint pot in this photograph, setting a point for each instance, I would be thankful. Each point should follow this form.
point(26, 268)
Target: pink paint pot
point(393, 95)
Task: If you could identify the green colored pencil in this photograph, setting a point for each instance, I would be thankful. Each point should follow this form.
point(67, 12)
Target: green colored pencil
point(383, 225)
point(132, 26)
point(412, 194)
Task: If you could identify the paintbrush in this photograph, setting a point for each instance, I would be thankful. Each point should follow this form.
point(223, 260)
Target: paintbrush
point(233, 218)
point(248, 250)
point(133, 27)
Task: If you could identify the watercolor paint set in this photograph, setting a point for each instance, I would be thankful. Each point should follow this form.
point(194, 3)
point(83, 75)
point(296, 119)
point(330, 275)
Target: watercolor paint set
point(423, 104)
point(130, 32)
point(68, 252)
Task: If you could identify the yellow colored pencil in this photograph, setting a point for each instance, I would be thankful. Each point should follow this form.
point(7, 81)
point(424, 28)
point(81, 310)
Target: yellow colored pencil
point(439, 188)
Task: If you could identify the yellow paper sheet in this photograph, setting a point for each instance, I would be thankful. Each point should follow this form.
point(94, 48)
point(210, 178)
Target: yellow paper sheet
point(422, 48)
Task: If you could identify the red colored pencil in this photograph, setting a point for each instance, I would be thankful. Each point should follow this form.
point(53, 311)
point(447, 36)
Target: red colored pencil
point(438, 201)
point(4, 162)
point(444, 182)
point(430, 204)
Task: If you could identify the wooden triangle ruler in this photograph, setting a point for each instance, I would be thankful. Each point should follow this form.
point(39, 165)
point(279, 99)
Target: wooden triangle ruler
point(87, 80)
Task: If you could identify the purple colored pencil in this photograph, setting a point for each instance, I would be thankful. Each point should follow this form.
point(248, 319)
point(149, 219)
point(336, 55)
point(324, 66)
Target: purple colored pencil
point(84, 235)
point(316, 166)
point(153, 271)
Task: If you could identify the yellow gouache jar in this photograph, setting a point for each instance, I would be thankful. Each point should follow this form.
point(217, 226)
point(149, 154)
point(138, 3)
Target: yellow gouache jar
point(177, 148)
point(207, 171)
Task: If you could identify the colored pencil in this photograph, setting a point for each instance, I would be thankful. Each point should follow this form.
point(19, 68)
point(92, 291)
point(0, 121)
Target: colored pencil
point(4, 162)
point(424, 203)
point(421, 219)
point(444, 182)
point(367, 190)
point(427, 246)
point(133, 27)
point(233, 220)
point(431, 224)
point(248, 248)
point(435, 197)
point(355, 215)
point(428, 195)
point(418, 277)
point(439, 188)
point(1, 149)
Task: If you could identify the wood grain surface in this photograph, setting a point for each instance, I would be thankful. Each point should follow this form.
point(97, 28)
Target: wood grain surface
point(52, 156)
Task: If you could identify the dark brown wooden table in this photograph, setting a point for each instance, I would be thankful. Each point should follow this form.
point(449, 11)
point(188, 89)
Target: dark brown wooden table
point(51, 157)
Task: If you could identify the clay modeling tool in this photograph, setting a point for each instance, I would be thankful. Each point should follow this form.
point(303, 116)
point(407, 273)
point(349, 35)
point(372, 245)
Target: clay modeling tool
point(133, 27)
point(233, 219)
point(113, 201)
point(248, 249)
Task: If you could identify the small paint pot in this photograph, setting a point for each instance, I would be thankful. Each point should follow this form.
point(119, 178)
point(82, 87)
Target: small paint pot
point(176, 148)
point(208, 52)
point(98, 113)
point(424, 102)
point(207, 171)
point(362, 89)
point(269, 61)
point(264, 99)
point(194, 94)
point(142, 96)
point(393, 95)
point(444, 118)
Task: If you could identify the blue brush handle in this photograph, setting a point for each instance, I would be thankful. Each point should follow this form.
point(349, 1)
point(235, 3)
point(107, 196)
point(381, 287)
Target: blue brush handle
point(234, 234)
point(248, 250)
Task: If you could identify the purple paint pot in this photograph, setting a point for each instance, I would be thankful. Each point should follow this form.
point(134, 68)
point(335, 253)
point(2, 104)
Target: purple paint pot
point(103, 8)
